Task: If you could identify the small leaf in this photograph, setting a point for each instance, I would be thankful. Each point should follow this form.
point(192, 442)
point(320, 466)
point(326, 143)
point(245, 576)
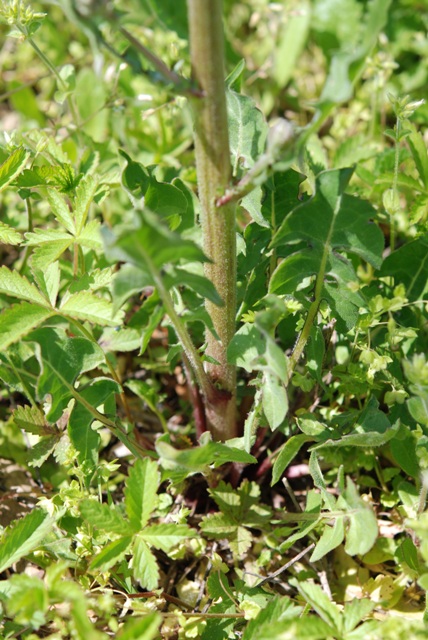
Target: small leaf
point(9, 235)
point(87, 306)
point(13, 284)
point(146, 628)
point(288, 452)
point(48, 280)
point(12, 166)
point(321, 603)
point(144, 565)
point(61, 210)
point(24, 536)
point(112, 554)
point(141, 492)
point(362, 529)
point(331, 538)
point(274, 400)
point(31, 419)
point(90, 236)
point(85, 193)
point(41, 451)
point(17, 321)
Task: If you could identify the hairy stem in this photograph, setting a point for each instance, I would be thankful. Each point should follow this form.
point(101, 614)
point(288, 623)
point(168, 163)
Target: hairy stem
point(218, 224)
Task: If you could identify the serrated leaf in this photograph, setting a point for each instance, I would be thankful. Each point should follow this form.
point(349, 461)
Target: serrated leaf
point(24, 536)
point(331, 538)
point(61, 210)
point(41, 451)
point(17, 286)
point(85, 305)
point(48, 252)
point(9, 235)
point(31, 419)
point(85, 193)
point(112, 554)
point(104, 517)
point(39, 237)
point(166, 536)
point(241, 505)
point(12, 166)
point(144, 565)
point(48, 280)
point(90, 236)
point(17, 321)
point(141, 492)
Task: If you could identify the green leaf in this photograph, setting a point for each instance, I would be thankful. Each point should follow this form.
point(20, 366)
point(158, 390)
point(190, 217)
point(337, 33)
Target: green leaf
point(112, 554)
point(321, 603)
point(63, 360)
point(166, 536)
point(362, 524)
point(85, 439)
point(409, 265)
point(85, 193)
point(31, 419)
point(141, 492)
point(9, 235)
point(90, 236)
point(292, 39)
point(17, 286)
point(241, 505)
point(267, 624)
point(61, 210)
point(144, 565)
point(331, 538)
point(419, 151)
point(197, 459)
point(246, 346)
point(355, 611)
point(24, 536)
point(12, 166)
point(247, 130)
point(17, 321)
point(274, 400)
point(104, 517)
point(146, 628)
point(331, 221)
point(41, 451)
point(288, 452)
point(85, 305)
point(48, 280)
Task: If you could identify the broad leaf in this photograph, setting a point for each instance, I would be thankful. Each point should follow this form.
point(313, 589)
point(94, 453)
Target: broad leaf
point(331, 538)
point(90, 236)
point(24, 536)
point(362, 524)
point(13, 166)
point(409, 265)
point(274, 400)
point(141, 492)
point(247, 129)
point(330, 222)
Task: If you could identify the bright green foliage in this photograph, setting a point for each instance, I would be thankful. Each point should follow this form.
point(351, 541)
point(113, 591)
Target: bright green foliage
point(24, 536)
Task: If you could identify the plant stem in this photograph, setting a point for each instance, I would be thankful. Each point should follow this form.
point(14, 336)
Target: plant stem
point(218, 224)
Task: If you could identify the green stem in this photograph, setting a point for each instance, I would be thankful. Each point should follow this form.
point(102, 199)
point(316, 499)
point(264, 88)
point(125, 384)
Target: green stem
point(214, 174)
point(395, 184)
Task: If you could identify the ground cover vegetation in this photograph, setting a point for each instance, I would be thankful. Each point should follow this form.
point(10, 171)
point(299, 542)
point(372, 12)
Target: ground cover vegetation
point(213, 319)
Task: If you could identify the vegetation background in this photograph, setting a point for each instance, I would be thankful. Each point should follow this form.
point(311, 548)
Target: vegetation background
point(126, 511)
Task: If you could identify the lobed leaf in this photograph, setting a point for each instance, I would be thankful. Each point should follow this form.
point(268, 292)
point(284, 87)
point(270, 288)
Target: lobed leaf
point(17, 321)
point(166, 536)
point(85, 305)
point(17, 286)
point(104, 517)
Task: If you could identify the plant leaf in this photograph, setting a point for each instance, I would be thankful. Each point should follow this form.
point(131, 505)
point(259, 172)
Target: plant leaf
point(90, 236)
point(112, 554)
point(104, 517)
point(48, 280)
point(17, 321)
point(331, 538)
point(166, 536)
point(85, 305)
point(288, 452)
point(61, 210)
point(321, 603)
point(17, 286)
point(12, 166)
point(24, 536)
point(9, 235)
point(31, 419)
point(141, 492)
point(362, 524)
point(85, 193)
point(144, 565)
point(146, 628)
point(274, 400)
